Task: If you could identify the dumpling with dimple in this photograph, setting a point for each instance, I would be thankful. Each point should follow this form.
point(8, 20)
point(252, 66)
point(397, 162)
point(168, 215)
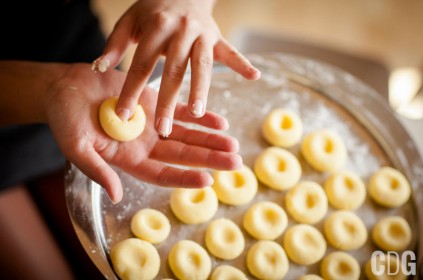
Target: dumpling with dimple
point(392, 233)
point(224, 239)
point(236, 187)
point(150, 225)
point(389, 187)
point(265, 220)
point(345, 230)
point(282, 128)
point(277, 168)
point(304, 244)
point(340, 266)
point(345, 190)
point(266, 259)
point(134, 259)
point(194, 206)
point(116, 128)
point(227, 272)
point(324, 150)
point(189, 260)
point(306, 202)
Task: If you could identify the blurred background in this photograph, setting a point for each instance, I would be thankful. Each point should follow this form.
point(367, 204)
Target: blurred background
point(379, 41)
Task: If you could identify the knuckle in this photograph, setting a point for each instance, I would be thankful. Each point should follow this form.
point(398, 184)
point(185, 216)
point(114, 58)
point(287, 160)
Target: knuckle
point(205, 61)
point(140, 69)
point(160, 20)
point(189, 24)
point(175, 73)
point(166, 109)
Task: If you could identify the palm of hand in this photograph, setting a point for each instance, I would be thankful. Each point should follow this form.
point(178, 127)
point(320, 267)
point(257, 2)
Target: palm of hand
point(72, 110)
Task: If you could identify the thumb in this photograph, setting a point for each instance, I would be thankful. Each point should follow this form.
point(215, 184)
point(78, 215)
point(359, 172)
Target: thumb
point(93, 165)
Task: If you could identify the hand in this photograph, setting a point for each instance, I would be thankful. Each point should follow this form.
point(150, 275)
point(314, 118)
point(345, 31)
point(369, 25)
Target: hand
point(72, 112)
point(183, 31)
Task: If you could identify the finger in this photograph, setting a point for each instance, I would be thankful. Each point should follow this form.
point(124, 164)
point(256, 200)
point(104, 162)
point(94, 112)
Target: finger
point(210, 119)
point(202, 67)
point(93, 165)
point(173, 73)
point(144, 60)
point(158, 173)
point(180, 153)
point(204, 139)
point(117, 43)
point(228, 55)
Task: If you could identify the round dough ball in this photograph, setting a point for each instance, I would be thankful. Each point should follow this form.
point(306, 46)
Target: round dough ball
point(304, 244)
point(224, 239)
point(235, 187)
point(150, 225)
point(392, 233)
point(340, 266)
point(345, 190)
point(344, 230)
point(227, 272)
point(394, 269)
point(134, 259)
point(188, 261)
point(389, 187)
point(267, 260)
point(310, 277)
point(115, 127)
point(306, 202)
point(277, 168)
point(282, 128)
point(324, 150)
point(194, 206)
point(265, 220)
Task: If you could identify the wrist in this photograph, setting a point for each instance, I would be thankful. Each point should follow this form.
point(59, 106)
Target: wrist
point(24, 86)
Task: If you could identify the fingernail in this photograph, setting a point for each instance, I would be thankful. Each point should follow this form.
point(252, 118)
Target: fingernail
point(100, 65)
point(163, 128)
point(256, 72)
point(124, 114)
point(113, 199)
point(197, 108)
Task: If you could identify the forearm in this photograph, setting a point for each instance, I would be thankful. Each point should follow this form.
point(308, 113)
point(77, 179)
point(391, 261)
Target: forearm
point(23, 89)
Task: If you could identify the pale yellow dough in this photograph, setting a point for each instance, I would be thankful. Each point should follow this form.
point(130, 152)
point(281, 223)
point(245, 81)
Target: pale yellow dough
point(116, 128)
point(306, 202)
point(188, 260)
point(304, 244)
point(345, 190)
point(135, 259)
point(227, 272)
point(150, 225)
point(310, 277)
point(277, 168)
point(224, 239)
point(194, 206)
point(391, 266)
point(265, 220)
point(344, 230)
point(389, 187)
point(324, 150)
point(267, 260)
point(392, 233)
point(282, 128)
point(340, 266)
point(235, 187)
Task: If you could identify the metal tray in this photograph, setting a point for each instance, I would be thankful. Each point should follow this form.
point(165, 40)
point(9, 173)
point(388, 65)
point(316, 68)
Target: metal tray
point(323, 96)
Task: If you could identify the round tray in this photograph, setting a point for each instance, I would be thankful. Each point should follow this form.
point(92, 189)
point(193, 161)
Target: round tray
point(324, 97)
